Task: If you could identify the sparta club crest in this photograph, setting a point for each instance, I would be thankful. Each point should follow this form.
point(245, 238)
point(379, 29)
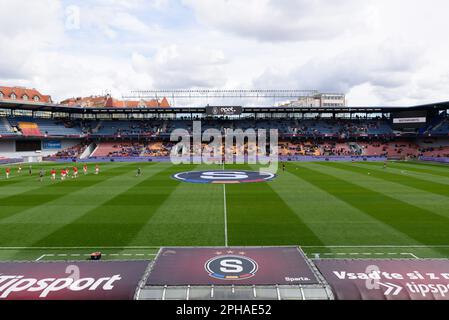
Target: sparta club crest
point(231, 267)
point(224, 176)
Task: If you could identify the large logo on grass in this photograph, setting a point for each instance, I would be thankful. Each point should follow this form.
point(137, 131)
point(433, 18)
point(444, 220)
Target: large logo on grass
point(224, 176)
point(231, 267)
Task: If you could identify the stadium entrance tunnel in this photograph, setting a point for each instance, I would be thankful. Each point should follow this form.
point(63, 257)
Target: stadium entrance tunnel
point(224, 176)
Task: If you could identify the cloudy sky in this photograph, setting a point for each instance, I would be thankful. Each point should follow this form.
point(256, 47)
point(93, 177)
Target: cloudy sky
point(378, 52)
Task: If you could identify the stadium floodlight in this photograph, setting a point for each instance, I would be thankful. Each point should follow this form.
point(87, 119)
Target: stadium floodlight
point(226, 93)
point(247, 97)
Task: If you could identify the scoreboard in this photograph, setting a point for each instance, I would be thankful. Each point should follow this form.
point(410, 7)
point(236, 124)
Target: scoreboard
point(409, 119)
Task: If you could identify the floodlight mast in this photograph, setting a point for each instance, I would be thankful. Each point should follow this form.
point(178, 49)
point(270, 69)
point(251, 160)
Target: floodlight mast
point(239, 96)
point(223, 94)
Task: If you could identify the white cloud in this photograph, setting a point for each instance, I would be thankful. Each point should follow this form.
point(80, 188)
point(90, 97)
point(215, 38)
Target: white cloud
point(281, 20)
point(114, 19)
point(27, 27)
point(379, 66)
point(130, 4)
point(174, 67)
point(386, 52)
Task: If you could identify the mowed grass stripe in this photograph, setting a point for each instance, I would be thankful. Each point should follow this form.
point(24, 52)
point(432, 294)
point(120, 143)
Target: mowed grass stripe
point(427, 165)
point(46, 219)
point(405, 173)
point(191, 215)
point(425, 200)
point(23, 179)
point(258, 216)
point(430, 172)
point(28, 183)
point(432, 187)
point(422, 225)
point(116, 222)
point(50, 191)
point(333, 220)
point(122, 177)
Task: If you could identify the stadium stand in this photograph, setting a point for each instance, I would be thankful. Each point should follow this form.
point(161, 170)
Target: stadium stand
point(294, 128)
point(118, 149)
point(316, 136)
point(30, 129)
point(158, 149)
point(441, 128)
point(46, 127)
point(58, 128)
point(127, 128)
point(6, 129)
point(72, 152)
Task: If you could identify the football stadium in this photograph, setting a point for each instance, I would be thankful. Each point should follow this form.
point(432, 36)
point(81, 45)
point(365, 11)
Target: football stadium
point(108, 185)
point(224, 158)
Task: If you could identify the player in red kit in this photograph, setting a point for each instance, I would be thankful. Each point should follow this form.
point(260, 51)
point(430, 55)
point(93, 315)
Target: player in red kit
point(97, 169)
point(75, 172)
point(63, 174)
point(8, 171)
point(53, 174)
point(85, 168)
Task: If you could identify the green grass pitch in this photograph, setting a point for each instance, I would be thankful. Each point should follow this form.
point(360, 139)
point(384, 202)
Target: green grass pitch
point(357, 210)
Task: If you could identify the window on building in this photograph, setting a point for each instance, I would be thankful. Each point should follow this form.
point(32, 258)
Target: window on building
point(1, 95)
point(13, 96)
point(25, 97)
point(36, 98)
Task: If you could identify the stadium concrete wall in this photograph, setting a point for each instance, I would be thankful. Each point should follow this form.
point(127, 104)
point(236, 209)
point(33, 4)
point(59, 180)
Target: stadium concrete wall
point(167, 159)
point(331, 158)
point(435, 159)
point(8, 149)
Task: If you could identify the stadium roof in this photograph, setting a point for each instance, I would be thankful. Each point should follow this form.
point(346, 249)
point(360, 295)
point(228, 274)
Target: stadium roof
point(35, 106)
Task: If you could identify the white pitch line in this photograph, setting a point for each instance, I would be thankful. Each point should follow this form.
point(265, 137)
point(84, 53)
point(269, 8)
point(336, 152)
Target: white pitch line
point(41, 257)
point(87, 255)
point(380, 246)
point(225, 212)
point(75, 248)
point(225, 216)
point(366, 254)
point(144, 247)
point(413, 255)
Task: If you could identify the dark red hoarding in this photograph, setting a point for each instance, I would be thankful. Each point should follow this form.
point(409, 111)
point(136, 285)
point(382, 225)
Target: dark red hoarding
point(70, 281)
point(387, 279)
point(228, 266)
